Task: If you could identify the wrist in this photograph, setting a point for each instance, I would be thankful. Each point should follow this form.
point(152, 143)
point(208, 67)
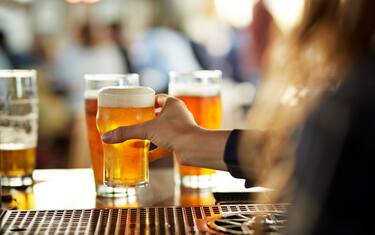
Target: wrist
point(187, 144)
point(203, 148)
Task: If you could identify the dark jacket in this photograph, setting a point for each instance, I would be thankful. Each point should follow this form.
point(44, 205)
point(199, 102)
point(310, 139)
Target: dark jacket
point(333, 174)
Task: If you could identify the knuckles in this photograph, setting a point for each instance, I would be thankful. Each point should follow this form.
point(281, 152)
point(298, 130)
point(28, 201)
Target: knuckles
point(182, 161)
point(174, 101)
point(120, 133)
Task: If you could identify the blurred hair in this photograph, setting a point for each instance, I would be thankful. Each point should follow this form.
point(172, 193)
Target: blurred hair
point(116, 31)
point(3, 40)
point(165, 14)
point(86, 35)
point(300, 66)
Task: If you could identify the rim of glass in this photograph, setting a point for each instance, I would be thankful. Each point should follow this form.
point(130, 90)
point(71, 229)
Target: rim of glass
point(8, 73)
point(105, 91)
point(197, 73)
point(109, 76)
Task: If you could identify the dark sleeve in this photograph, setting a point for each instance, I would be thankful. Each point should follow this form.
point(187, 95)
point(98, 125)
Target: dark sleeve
point(231, 158)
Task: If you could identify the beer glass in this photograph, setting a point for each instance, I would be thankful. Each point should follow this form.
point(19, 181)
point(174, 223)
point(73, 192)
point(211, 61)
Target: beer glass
point(193, 196)
point(95, 82)
point(125, 164)
point(18, 126)
point(117, 202)
point(200, 91)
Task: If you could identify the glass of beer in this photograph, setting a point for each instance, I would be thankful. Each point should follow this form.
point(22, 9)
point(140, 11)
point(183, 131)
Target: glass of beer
point(200, 91)
point(193, 196)
point(95, 82)
point(125, 164)
point(18, 126)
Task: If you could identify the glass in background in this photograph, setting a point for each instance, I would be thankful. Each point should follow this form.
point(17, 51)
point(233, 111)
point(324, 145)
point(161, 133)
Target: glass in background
point(193, 197)
point(18, 126)
point(18, 199)
point(126, 163)
point(95, 82)
point(119, 202)
point(200, 91)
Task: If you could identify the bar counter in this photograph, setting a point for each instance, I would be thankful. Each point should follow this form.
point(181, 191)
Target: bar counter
point(74, 189)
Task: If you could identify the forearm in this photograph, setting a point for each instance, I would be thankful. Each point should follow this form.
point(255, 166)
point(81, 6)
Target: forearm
point(204, 148)
point(207, 148)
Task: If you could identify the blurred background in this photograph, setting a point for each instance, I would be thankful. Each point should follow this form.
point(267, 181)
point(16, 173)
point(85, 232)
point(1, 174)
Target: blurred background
point(64, 39)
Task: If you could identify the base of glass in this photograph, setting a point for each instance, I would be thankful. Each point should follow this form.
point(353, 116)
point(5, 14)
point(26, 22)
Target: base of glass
point(107, 191)
point(122, 185)
point(117, 202)
point(195, 181)
point(16, 181)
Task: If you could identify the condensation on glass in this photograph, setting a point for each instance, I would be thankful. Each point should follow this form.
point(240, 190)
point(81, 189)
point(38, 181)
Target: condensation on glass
point(18, 126)
point(95, 82)
point(200, 91)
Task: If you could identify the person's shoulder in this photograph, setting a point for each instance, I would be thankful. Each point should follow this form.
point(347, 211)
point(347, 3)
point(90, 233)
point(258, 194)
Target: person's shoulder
point(359, 85)
point(354, 99)
point(363, 72)
point(366, 64)
point(350, 102)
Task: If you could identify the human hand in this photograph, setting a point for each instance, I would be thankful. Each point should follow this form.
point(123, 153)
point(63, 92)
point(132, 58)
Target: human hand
point(172, 129)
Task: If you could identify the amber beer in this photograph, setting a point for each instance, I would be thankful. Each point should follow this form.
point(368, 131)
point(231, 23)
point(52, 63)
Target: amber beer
point(194, 197)
point(95, 143)
point(200, 91)
point(18, 126)
point(207, 113)
point(95, 82)
point(125, 164)
point(17, 162)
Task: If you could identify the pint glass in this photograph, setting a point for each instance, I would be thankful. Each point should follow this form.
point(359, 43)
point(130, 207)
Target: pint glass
point(125, 164)
point(18, 126)
point(200, 91)
point(193, 196)
point(95, 82)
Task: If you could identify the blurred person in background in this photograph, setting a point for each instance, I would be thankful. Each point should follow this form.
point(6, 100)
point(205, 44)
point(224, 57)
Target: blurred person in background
point(4, 52)
point(228, 58)
point(117, 35)
point(93, 50)
point(311, 129)
point(15, 60)
point(160, 51)
point(162, 48)
point(54, 112)
point(259, 33)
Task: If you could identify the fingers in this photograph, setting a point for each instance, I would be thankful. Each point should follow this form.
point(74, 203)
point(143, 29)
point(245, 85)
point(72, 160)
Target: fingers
point(161, 99)
point(158, 153)
point(123, 133)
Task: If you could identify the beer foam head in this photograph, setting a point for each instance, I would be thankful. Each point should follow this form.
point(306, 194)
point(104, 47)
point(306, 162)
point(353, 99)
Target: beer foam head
point(91, 94)
point(196, 83)
point(193, 89)
point(94, 82)
point(126, 97)
point(17, 73)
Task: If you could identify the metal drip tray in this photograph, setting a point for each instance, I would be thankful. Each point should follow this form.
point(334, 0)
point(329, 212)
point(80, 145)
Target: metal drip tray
point(153, 220)
point(245, 223)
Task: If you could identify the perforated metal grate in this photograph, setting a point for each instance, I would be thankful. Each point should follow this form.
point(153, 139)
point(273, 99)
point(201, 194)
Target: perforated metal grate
point(244, 223)
point(168, 220)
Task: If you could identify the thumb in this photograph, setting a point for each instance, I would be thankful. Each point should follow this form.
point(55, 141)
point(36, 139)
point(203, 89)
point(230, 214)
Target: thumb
point(120, 134)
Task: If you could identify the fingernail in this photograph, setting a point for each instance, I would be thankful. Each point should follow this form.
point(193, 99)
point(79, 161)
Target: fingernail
point(106, 137)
